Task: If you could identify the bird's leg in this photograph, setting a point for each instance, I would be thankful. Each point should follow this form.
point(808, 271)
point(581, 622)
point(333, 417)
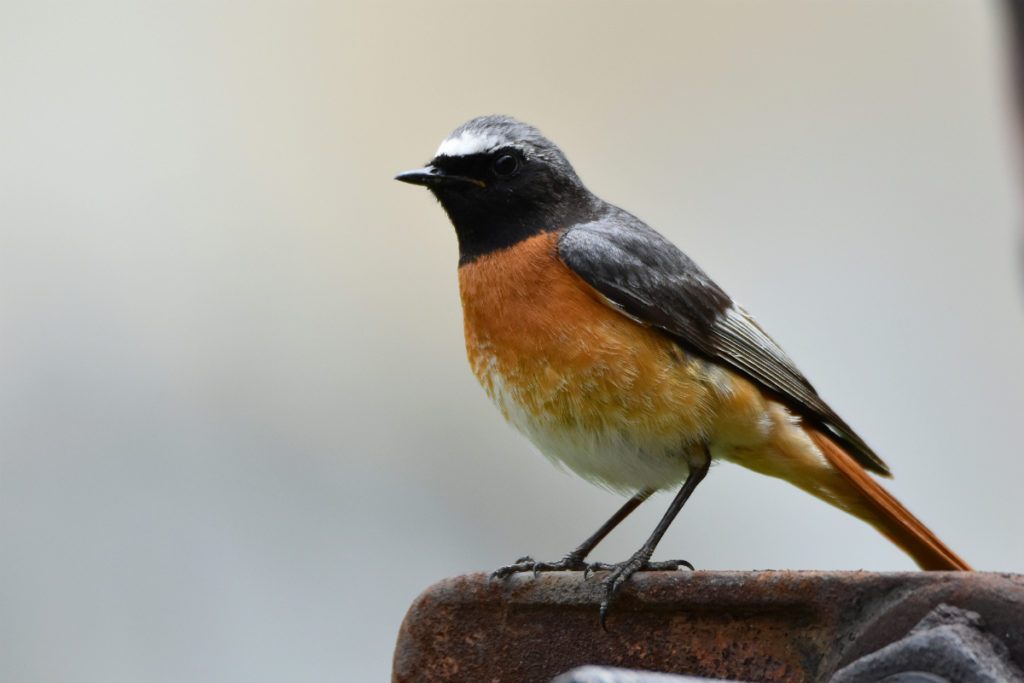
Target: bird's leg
point(574, 561)
point(621, 572)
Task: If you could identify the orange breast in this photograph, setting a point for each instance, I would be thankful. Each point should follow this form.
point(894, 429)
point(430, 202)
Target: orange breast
point(618, 402)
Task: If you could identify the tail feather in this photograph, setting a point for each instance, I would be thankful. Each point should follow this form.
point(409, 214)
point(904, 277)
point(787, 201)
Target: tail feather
point(880, 509)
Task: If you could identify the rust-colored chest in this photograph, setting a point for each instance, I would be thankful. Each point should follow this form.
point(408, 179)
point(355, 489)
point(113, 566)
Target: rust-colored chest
point(526, 312)
point(616, 401)
point(540, 337)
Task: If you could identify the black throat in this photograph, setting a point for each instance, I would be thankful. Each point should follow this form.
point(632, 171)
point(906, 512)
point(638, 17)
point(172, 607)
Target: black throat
point(485, 223)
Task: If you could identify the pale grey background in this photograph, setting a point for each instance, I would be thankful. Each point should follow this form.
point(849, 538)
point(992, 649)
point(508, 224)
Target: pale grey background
point(237, 431)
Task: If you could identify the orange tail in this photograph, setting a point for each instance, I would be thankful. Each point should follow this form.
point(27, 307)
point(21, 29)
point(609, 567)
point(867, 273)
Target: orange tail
point(879, 508)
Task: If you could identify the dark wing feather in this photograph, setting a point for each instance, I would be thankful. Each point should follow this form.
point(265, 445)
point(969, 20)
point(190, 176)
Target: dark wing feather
point(651, 280)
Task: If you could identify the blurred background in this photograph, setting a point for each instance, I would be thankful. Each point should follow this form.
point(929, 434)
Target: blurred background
point(238, 434)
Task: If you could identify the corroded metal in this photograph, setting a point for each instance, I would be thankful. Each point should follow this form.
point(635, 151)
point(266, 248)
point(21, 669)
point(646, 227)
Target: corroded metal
point(746, 626)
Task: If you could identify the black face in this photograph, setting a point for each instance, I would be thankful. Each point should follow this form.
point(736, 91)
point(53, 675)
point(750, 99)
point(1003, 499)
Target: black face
point(498, 167)
point(498, 198)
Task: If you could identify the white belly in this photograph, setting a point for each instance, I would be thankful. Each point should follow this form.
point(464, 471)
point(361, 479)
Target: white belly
point(620, 457)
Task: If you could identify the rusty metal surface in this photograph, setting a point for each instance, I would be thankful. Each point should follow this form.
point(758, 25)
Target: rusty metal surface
point(746, 626)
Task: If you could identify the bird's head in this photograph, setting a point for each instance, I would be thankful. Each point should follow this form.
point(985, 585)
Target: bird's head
point(501, 181)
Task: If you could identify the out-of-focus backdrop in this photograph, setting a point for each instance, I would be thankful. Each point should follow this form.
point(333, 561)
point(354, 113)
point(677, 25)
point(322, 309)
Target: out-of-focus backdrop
point(237, 431)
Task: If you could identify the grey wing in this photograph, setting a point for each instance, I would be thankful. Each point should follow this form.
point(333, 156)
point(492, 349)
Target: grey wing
point(652, 281)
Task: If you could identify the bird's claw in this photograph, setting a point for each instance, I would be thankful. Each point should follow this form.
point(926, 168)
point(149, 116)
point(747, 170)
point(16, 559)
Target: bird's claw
point(661, 566)
point(620, 573)
point(666, 566)
point(569, 563)
point(523, 564)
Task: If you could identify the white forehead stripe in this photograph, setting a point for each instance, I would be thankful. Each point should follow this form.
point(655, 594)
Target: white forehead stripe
point(469, 142)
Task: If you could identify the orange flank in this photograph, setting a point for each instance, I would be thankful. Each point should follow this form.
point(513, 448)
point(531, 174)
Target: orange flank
point(533, 324)
point(574, 374)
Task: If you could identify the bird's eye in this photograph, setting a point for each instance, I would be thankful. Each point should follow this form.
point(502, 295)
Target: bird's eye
point(505, 165)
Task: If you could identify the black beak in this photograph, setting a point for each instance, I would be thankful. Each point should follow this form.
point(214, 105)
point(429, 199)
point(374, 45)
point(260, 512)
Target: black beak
point(431, 176)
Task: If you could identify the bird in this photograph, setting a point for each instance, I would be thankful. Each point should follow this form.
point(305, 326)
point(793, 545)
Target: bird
point(620, 359)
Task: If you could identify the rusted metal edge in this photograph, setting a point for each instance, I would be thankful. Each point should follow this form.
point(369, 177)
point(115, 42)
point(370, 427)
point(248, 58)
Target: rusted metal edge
point(753, 626)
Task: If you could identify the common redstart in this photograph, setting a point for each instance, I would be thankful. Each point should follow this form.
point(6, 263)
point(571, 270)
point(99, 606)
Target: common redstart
point(618, 357)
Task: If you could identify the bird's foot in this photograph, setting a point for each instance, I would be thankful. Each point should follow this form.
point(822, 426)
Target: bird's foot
point(622, 571)
point(662, 566)
point(570, 563)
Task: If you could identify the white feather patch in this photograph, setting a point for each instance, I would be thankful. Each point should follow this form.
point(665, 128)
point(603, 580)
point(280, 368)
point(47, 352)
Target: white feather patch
point(469, 142)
